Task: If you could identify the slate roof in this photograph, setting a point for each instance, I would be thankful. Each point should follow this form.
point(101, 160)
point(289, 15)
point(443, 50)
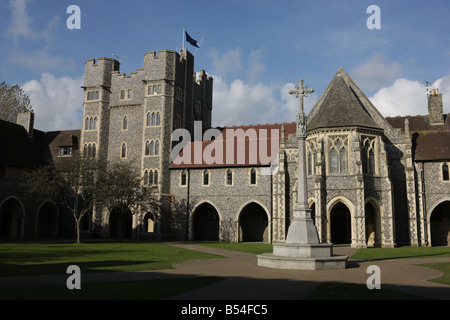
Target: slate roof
point(339, 106)
point(430, 142)
point(20, 149)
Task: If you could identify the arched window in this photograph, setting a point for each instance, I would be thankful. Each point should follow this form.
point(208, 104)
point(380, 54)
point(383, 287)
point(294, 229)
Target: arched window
point(149, 119)
point(145, 178)
point(125, 123)
point(183, 178)
point(150, 179)
point(155, 177)
point(95, 123)
point(368, 155)
point(253, 176)
point(85, 151)
point(158, 119)
point(91, 123)
point(156, 147)
point(338, 147)
point(229, 177)
point(124, 150)
point(205, 177)
point(89, 151)
point(93, 150)
point(86, 124)
point(445, 174)
point(153, 119)
point(152, 148)
point(147, 148)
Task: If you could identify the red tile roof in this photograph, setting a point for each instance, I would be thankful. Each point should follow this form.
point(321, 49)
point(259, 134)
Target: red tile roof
point(247, 154)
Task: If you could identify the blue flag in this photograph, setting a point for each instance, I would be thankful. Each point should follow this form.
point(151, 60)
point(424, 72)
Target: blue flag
point(190, 40)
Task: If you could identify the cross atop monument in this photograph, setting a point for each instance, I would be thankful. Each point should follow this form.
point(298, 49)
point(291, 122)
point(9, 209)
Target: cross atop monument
point(301, 91)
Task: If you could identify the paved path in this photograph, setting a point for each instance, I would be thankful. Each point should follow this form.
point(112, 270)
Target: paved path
point(244, 280)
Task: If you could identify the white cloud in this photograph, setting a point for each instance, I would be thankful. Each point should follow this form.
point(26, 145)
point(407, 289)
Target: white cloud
point(41, 60)
point(256, 67)
point(57, 102)
point(241, 103)
point(375, 73)
point(20, 20)
point(226, 62)
point(407, 97)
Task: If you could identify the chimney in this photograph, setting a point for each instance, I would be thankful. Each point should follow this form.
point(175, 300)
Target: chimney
point(26, 119)
point(435, 107)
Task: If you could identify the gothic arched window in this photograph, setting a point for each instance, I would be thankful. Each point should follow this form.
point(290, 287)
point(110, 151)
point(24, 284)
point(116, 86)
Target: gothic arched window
point(147, 148)
point(158, 119)
point(125, 123)
point(156, 147)
point(338, 150)
point(205, 177)
point(124, 150)
point(368, 155)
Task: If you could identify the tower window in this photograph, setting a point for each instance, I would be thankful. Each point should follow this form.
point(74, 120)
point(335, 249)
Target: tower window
point(125, 123)
point(338, 150)
point(124, 151)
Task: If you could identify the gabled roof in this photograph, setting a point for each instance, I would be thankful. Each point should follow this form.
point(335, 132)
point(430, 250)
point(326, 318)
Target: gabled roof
point(341, 106)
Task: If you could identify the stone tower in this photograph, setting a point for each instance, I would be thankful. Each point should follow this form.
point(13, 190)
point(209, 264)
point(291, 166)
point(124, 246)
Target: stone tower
point(435, 107)
point(132, 117)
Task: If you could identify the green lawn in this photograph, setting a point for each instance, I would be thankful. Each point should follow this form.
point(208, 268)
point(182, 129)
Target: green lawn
point(34, 259)
point(401, 252)
point(251, 247)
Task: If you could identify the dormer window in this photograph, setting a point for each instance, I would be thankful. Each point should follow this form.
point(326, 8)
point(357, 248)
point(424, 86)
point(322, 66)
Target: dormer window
point(65, 151)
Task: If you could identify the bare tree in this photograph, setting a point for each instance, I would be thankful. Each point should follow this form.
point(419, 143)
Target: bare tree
point(13, 100)
point(120, 188)
point(69, 181)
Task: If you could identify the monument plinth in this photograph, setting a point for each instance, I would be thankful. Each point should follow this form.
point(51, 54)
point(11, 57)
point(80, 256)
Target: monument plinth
point(302, 248)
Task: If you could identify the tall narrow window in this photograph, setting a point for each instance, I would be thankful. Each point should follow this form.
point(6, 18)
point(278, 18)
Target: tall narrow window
point(150, 90)
point(368, 155)
point(95, 123)
point(86, 124)
point(155, 177)
point(93, 150)
point(145, 178)
point(445, 174)
point(205, 177)
point(129, 94)
point(149, 119)
point(158, 119)
point(253, 176)
point(147, 148)
point(183, 178)
point(229, 177)
point(85, 151)
point(91, 123)
point(122, 94)
point(156, 147)
point(152, 148)
point(124, 150)
point(153, 119)
point(125, 123)
point(150, 178)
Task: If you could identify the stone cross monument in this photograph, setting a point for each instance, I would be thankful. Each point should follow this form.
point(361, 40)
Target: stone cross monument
point(302, 248)
point(302, 228)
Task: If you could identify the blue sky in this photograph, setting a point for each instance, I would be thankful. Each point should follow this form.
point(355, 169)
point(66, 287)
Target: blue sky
point(256, 50)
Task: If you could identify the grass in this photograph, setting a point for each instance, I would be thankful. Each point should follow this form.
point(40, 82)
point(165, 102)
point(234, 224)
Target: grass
point(134, 290)
point(35, 259)
point(444, 268)
point(250, 247)
point(401, 252)
point(347, 291)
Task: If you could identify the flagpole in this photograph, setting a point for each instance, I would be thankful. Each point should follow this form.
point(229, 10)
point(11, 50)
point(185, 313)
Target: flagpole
point(184, 36)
